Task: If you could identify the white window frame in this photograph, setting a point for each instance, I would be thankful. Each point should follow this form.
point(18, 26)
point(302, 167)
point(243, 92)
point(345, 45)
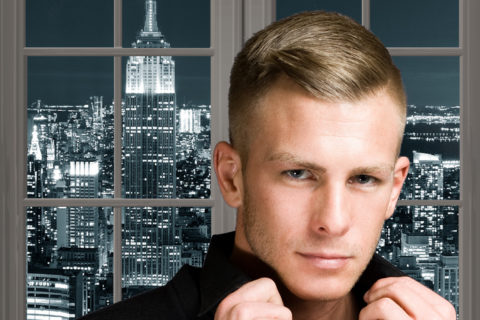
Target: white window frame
point(232, 22)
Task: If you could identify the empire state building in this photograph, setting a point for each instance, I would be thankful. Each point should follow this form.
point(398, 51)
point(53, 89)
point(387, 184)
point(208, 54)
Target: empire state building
point(149, 248)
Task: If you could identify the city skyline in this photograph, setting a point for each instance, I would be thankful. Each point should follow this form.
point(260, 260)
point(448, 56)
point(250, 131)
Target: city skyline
point(71, 249)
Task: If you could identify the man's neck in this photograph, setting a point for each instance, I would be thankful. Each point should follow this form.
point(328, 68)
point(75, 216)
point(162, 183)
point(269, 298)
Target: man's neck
point(345, 308)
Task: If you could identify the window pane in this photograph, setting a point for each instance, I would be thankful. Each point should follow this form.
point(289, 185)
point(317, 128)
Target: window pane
point(70, 127)
point(179, 23)
point(423, 243)
point(156, 242)
point(426, 23)
point(351, 8)
point(432, 134)
point(69, 23)
point(166, 127)
point(70, 261)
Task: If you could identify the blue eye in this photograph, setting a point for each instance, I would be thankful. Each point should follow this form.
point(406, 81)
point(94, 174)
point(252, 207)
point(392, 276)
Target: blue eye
point(364, 179)
point(298, 174)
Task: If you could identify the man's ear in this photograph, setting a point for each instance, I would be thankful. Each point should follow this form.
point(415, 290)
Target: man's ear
point(399, 175)
point(228, 168)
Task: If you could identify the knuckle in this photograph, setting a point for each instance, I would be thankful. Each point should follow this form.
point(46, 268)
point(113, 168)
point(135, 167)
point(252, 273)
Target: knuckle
point(225, 305)
point(288, 313)
point(363, 314)
point(405, 280)
point(240, 311)
point(221, 310)
point(449, 311)
point(384, 304)
point(400, 284)
point(268, 282)
point(397, 285)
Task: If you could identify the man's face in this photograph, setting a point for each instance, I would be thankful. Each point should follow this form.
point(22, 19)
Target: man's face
point(319, 182)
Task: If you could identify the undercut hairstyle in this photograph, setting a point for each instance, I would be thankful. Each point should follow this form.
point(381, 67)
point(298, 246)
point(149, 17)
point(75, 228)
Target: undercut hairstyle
point(331, 56)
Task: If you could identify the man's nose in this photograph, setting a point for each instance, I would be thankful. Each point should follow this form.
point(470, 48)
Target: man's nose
point(331, 210)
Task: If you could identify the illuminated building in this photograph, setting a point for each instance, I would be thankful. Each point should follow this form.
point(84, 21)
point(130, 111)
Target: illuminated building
point(82, 224)
point(48, 296)
point(149, 239)
point(447, 279)
point(426, 175)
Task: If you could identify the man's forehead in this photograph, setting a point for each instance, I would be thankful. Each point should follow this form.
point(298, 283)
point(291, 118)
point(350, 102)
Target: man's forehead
point(286, 100)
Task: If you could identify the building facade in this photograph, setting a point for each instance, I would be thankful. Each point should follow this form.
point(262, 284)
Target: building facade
point(149, 159)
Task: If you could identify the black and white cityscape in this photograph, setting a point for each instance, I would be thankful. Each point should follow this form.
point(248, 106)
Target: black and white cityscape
point(166, 154)
point(423, 240)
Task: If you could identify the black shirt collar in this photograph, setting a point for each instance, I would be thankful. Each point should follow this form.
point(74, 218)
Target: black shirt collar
point(219, 277)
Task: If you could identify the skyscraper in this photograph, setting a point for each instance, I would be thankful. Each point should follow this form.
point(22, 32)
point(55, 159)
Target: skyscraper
point(48, 295)
point(82, 223)
point(149, 117)
point(447, 279)
point(149, 157)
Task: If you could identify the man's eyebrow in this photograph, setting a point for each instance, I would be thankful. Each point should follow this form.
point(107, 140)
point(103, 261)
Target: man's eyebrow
point(290, 158)
point(382, 169)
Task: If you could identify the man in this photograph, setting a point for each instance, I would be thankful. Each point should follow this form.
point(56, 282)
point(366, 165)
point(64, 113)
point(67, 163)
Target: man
point(317, 112)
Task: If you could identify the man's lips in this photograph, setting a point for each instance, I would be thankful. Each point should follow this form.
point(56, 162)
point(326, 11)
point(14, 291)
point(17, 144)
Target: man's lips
point(326, 260)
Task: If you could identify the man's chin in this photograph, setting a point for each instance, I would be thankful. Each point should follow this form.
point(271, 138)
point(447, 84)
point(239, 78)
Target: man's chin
point(322, 295)
point(321, 291)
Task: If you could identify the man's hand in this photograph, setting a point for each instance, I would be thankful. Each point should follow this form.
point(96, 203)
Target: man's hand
point(404, 298)
point(258, 299)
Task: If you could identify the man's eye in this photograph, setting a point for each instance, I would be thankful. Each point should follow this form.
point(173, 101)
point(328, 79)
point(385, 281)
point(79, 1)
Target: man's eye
point(364, 179)
point(298, 174)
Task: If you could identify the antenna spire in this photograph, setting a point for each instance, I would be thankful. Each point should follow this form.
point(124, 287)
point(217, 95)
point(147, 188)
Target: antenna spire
point(150, 16)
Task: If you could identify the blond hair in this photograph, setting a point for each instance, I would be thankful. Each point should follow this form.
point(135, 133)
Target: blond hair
point(329, 55)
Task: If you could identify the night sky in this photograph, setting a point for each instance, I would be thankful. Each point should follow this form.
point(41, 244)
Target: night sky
point(411, 23)
point(185, 23)
point(89, 23)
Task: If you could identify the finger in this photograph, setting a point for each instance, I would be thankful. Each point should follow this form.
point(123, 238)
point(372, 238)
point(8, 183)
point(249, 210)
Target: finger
point(385, 309)
point(398, 290)
point(412, 296)
point(263, 289)
point(258, 310)
point(260, 290)
point(400, 283)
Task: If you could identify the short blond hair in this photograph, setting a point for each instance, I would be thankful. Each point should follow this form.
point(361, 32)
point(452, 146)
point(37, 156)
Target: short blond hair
point(329, 55)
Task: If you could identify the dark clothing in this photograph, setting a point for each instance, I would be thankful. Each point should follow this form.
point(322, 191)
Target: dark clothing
point(195, 293)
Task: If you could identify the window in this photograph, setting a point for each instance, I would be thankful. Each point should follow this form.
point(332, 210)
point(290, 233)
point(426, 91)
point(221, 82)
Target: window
point(226, 35)
point(161, 98)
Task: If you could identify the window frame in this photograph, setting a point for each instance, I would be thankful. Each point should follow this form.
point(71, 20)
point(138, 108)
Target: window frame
point(232, 22)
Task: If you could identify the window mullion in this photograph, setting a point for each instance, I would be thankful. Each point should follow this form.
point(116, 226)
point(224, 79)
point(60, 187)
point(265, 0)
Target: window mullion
point(228, 33)
point(257, 15)
point(366, 14)
point(470, 219)
point(109, 51)
point(426, 51)
point(117, 23)
point(443, 203)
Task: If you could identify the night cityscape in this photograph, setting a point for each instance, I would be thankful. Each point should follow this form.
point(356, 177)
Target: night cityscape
point(166, 154)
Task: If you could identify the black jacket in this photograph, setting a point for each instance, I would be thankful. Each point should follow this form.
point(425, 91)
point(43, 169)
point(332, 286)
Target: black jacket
point(195, 293)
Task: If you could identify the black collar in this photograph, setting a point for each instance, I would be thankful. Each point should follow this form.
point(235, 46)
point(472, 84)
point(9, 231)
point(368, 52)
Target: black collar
point(219, 277)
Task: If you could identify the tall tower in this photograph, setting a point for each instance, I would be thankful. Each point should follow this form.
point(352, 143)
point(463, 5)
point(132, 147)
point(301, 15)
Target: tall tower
point(149, 157)
point(82, 222)
point(35, 173)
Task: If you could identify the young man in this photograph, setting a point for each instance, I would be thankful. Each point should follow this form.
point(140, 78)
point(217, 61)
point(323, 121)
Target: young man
point(317, 113)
